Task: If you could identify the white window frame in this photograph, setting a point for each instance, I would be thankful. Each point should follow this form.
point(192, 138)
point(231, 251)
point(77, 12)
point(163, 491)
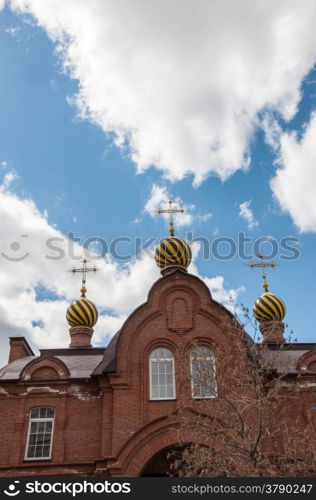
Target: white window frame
point(151, 361)
point(39, 419)
point(211, 357)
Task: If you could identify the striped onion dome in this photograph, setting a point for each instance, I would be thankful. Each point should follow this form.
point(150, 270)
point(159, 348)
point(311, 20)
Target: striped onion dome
point(82, 312)
point(269, 307)
point(173, 252)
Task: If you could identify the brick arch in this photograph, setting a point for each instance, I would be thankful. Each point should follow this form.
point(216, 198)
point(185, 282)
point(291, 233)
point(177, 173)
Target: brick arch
point(152, 438)
point(201, 340)
point(160, 464)
point(159, 342)
point(45, 373)
point(158, 443)
point(45, 365)
point(141, 450)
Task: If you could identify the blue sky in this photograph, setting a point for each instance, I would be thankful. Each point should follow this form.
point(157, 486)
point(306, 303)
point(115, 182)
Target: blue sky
point(95, 166)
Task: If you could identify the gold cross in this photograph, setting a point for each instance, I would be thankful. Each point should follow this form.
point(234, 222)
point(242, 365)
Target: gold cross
point(171, 211)
point(261, 264)
point(84, 269)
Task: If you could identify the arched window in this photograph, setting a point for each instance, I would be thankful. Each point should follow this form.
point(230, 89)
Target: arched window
point(203, 373)
point(40, 434)
point(161, 374)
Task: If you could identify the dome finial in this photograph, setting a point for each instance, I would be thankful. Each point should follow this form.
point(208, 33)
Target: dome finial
point(172, 252)
point(265, 283)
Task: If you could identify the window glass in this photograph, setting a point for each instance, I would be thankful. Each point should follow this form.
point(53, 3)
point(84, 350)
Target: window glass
point(40, 433)
point(161, 374)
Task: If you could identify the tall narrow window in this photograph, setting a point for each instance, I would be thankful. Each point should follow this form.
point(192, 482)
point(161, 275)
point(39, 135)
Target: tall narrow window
point(161, 374)
point(40, 434)
point(203, 373)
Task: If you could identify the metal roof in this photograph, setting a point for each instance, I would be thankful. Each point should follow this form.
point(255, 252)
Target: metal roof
point(80, 365)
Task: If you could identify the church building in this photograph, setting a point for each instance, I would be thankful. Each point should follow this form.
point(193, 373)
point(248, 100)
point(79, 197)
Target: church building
point(115, 411)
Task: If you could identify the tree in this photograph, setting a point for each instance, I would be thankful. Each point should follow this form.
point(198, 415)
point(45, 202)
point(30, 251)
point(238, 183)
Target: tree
point(247, 419)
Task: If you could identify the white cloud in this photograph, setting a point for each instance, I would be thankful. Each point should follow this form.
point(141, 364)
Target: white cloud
point(227, 297)
point(272, 131)
point(221, 294)
point(12, 31)
point(246, 213)
point(181, 83)
point(204, 217)
point(137, 220)
point(294, 184)
point(29, 262)
point(158, 197)
point(7, 181)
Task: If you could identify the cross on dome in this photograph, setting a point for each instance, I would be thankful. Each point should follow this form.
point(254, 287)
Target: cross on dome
point(171, 211)
point(84, 269)
point(263, 265)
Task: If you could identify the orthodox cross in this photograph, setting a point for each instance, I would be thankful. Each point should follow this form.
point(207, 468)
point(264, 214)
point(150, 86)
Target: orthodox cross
point(83, 270)
point(263, 265)
point(171, 211)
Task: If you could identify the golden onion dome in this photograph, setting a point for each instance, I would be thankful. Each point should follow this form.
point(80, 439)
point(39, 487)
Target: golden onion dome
point(82, 312)
point(269, 307)
point(173, 252)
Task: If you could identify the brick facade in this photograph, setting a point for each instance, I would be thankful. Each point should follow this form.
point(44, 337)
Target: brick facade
point(105, 423)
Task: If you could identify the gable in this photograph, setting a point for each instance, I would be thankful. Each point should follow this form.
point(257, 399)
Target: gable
point(179, 310)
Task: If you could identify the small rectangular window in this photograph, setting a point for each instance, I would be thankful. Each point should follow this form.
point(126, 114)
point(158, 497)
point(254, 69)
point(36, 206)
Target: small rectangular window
point(40, 434)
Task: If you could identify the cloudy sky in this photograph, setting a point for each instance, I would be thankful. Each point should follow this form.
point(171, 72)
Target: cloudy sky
point(108, 108)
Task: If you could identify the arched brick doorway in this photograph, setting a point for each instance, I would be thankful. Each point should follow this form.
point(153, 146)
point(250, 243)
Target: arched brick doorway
point(160, 465)
point(149, 442)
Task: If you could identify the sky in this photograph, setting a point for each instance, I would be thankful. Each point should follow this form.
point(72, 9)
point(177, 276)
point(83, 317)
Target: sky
point(108, 109)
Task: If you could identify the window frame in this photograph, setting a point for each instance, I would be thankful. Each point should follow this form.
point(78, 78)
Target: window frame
point(150, 363)
point(39, 419)
point(212, 358)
